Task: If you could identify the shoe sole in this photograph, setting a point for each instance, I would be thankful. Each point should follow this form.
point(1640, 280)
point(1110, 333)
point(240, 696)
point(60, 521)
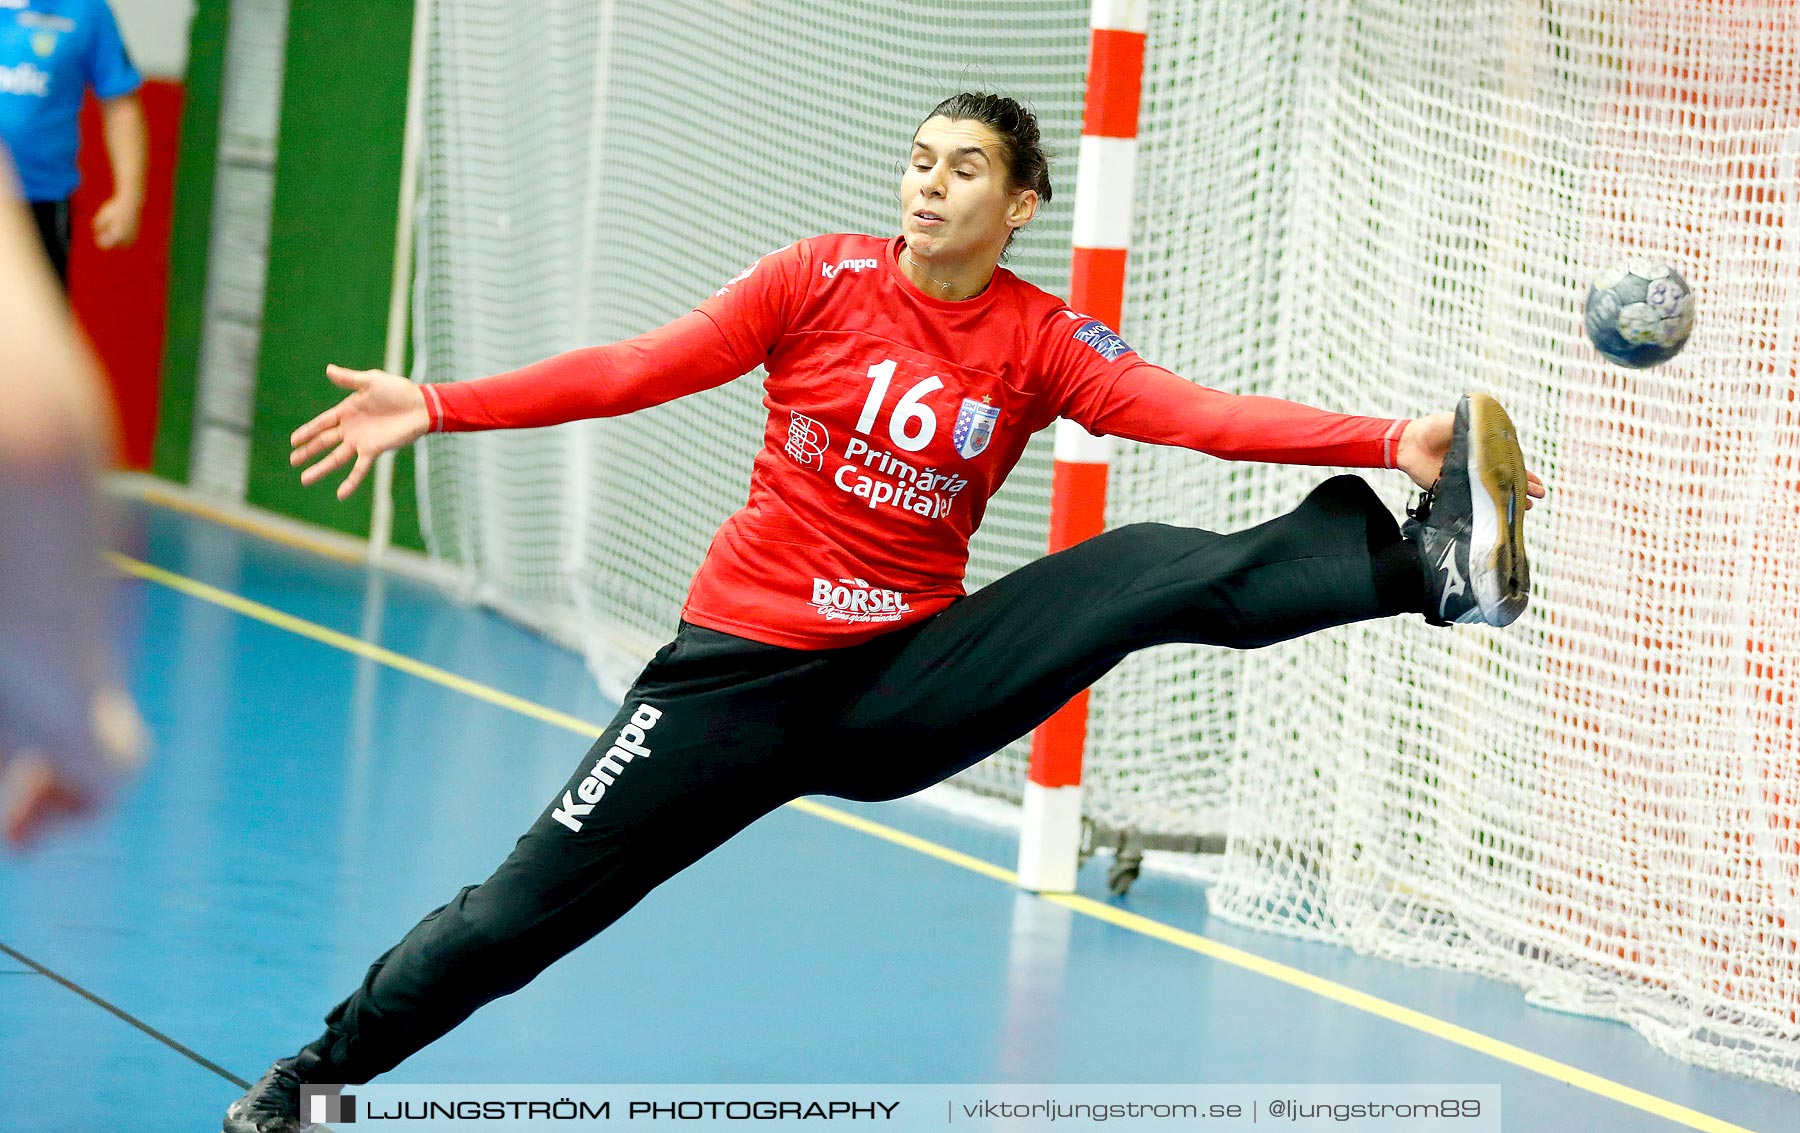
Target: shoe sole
point(1496, 468)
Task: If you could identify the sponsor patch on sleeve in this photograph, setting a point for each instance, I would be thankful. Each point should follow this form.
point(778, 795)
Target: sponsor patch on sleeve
point(1101, 337)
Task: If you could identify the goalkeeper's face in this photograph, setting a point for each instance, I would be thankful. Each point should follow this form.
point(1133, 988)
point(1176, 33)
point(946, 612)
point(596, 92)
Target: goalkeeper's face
point(957, 199)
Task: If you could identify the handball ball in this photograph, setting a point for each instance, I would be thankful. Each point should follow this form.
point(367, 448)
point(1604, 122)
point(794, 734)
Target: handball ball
point(1639, 313)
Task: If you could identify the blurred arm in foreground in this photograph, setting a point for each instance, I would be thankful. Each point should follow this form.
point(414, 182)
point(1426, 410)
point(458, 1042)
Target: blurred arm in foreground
point(68, 732)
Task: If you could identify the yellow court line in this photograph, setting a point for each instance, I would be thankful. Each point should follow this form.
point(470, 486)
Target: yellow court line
point(197, 589)
point(1131, 922)
point(1394, 1013)
point(162, 497)
point(902, 838)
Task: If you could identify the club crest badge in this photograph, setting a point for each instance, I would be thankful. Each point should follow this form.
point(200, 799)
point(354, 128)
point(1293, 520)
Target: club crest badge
point(974, 427)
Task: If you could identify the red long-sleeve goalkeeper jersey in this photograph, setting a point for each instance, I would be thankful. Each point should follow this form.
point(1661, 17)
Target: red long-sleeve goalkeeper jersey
point(893, 417)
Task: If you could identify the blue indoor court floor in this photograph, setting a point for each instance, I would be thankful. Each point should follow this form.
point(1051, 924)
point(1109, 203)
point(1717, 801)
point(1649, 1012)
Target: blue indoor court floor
point(312, 794)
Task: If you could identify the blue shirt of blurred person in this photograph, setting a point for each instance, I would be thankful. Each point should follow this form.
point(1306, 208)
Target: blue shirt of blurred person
point(49, 51)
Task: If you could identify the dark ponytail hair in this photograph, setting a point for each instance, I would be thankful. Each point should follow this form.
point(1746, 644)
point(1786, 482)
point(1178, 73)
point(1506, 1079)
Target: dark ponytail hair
point(1027, 166)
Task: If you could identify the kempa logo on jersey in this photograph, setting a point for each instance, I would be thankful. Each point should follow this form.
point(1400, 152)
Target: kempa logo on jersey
point(854, 600)
point(629, 746)
point(929, 493)
point(830, 271)
point(25, 79)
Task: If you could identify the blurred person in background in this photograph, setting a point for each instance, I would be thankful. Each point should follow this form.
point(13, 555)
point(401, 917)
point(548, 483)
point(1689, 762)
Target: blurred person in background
point(68, 732)
point(51, 52)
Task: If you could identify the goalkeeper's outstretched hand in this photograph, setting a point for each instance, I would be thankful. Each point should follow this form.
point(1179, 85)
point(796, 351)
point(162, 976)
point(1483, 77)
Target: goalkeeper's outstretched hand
point(1424, 445)
point(383, 412)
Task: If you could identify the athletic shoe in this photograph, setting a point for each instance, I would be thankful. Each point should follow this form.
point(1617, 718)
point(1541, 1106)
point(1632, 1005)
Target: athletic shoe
point(271, 1106)
point(1469, 527)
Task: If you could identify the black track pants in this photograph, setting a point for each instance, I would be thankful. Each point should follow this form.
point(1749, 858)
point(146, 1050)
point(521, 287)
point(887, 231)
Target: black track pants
point(719, 731)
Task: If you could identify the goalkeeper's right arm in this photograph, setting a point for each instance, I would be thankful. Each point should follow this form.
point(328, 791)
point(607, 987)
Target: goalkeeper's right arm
point(686, 356)
point(385, 411)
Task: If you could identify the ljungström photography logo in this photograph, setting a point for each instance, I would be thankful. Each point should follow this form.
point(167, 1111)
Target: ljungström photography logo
point(320, 1104)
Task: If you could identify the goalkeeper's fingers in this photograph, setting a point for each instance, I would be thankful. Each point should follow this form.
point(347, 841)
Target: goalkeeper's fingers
point(1534, 488)
point(317, 444)
point(353, 380)
point(345, 378)
point(314, 427)
point(333, 461)
point(357, 472)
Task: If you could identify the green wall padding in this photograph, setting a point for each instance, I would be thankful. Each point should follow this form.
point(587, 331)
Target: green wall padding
point(191, 238)
point(406, 531)
point(331, 243)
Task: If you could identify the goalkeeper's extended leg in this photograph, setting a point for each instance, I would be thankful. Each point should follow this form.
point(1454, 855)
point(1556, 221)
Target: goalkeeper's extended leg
point(998, 663)
point(710, 738)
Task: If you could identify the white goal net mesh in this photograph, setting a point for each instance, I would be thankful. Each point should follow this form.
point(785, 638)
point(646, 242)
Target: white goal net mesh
point(1369, 206)
point(1373, 207)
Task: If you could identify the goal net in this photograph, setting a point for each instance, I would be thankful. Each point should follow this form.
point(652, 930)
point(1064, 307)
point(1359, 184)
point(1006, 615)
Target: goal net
point(1367, 205)
point(1373, 207)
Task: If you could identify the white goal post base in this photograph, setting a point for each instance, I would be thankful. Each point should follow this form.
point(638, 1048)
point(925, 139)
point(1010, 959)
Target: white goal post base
point(1050, 838)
